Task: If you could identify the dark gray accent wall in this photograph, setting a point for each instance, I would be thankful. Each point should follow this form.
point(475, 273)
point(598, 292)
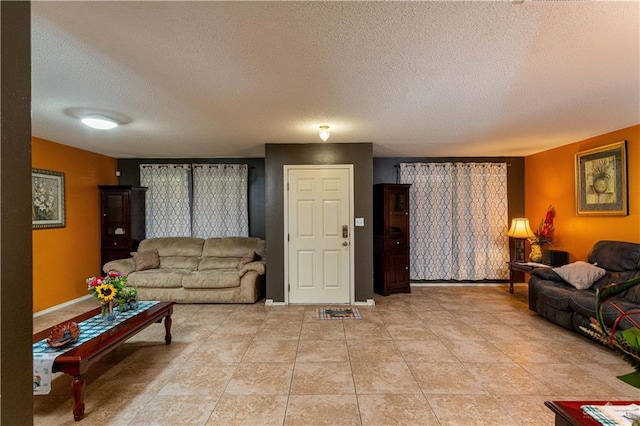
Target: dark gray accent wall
point(130, 175)
point(385, 171)
point(16, 288)
point(358, 154)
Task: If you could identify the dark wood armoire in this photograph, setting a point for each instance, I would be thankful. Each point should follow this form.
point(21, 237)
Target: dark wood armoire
point(122, 224)
point(391, 238)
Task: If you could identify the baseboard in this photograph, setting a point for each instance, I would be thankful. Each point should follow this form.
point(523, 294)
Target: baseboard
point(450, 284)
point(270, 302)
point(60, 306)
point(369, 302)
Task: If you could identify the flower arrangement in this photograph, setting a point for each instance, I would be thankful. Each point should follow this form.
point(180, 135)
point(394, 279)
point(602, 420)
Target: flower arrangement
point(112, 290)
point(544, 232)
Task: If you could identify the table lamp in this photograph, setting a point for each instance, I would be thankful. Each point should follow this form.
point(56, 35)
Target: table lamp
point(519, 231)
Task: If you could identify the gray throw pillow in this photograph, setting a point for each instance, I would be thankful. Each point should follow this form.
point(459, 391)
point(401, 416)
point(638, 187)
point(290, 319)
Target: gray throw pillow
point(580, 274)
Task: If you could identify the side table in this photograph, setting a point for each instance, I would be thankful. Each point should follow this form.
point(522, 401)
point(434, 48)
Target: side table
point(525, 267)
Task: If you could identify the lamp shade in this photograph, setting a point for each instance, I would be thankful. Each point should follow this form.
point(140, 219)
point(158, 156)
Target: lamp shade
point(520, 228)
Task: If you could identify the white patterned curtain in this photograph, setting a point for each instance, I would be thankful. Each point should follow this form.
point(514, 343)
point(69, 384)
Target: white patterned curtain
point(168, 213)
point(458, 218)
point(220, 205)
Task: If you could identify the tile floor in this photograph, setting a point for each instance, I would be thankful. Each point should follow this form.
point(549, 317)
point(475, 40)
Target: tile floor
point(439, 356)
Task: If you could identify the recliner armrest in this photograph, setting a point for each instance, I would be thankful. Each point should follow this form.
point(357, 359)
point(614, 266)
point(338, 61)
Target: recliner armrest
point(123, 266)
point(257, 266)
point(547, 274)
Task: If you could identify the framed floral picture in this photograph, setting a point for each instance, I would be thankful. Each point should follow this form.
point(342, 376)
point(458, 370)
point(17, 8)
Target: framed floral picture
point(601, 181)
point(47, 199)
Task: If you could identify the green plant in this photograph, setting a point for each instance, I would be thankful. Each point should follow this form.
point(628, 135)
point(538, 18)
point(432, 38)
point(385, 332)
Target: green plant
point(626, 343)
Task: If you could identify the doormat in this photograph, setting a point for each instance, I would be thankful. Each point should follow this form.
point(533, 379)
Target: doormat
point(337, 313)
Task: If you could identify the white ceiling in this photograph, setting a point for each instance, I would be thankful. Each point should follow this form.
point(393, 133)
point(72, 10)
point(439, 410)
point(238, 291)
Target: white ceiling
point(221, 79)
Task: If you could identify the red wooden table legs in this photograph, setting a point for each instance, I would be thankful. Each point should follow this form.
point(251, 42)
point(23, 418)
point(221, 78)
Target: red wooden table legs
point(78, 403)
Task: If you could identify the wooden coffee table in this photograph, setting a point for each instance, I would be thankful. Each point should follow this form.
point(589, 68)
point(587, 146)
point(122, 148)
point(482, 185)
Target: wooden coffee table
point(76, 361)
point(569, 413)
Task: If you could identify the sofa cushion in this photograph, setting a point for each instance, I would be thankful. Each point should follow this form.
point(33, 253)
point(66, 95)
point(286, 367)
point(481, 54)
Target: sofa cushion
point(633, 294)
point(615, 256)
point(580, 274)
point(613, 277)
point(174, 246)
point(179, 262)
point(584, 303)
point(147, 259)
point(221, 278)
point(210, 263)
point(157, 278)
point(233, 247)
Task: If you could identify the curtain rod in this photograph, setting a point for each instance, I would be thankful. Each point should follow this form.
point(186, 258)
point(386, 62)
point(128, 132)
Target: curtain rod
point(195, 164)
point(397, 165)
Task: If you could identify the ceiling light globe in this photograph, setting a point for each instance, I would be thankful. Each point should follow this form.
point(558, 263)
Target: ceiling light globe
point(324, 133)
point(99, 122)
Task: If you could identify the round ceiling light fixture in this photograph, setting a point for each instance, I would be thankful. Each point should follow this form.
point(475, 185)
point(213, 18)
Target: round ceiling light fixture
point(100, 122)
point(324, 133)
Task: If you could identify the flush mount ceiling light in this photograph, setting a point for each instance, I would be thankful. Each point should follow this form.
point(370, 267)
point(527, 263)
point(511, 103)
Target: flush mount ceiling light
point(324, 133)
point(100, 122)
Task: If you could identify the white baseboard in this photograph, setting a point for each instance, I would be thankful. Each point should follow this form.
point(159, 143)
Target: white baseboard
point(270, 302)
point(447, 284)
point(60, 306)
point(369, 302)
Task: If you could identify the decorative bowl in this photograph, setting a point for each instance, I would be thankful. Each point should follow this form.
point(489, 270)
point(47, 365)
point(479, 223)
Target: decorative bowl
point(63, 334)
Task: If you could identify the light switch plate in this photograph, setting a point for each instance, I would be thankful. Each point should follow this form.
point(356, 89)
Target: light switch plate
point(359, 221)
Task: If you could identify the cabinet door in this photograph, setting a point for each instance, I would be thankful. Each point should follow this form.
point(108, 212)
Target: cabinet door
point(116, 216)
point(397, 213)
point(396, 273)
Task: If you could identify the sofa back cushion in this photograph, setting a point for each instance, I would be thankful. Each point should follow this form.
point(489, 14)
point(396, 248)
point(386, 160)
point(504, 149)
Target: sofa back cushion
point(233, 247)
point(179, 262)
point(174, 246)
point(214, 262)
point(615, 256)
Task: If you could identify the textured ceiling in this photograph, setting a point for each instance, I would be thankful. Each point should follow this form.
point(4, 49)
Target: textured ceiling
point(221, 79)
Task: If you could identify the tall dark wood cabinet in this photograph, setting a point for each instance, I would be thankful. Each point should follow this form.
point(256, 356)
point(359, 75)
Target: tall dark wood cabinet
point(391, 238)
point(122, 212)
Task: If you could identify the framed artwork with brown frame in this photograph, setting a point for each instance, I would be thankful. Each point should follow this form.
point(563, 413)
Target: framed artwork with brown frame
point(47, 199)
point(601, 181)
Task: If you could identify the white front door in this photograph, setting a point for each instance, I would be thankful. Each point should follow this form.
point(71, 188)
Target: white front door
point(318, 214)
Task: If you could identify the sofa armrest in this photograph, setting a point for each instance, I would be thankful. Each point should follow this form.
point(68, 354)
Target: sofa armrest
point(547, 274)
point(123, 266)
point(257, 266)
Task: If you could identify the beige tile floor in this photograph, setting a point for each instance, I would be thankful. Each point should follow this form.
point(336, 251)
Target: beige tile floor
point(439, 356)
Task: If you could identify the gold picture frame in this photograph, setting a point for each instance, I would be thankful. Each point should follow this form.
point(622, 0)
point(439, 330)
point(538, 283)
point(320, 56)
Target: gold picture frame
point(601, 181)
point(47, 199)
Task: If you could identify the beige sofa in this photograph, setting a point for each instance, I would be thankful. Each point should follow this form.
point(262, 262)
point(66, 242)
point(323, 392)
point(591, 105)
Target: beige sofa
point(195, 270)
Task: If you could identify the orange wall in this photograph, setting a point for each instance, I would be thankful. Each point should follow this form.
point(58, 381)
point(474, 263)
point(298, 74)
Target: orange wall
point(64, 257)
point(550, 179)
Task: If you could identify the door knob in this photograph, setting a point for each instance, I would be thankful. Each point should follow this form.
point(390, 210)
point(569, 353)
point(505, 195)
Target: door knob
point(345, 243)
